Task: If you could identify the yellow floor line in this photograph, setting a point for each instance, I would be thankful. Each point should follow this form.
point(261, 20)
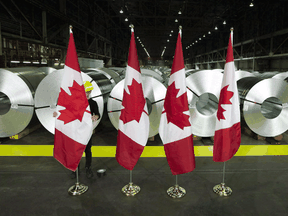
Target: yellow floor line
point(149, 151)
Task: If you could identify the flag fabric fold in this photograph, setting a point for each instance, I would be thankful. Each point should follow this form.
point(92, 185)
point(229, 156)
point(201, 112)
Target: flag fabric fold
point(227, 136)
point(73, 126)
point(133, 127)
point(175, 123)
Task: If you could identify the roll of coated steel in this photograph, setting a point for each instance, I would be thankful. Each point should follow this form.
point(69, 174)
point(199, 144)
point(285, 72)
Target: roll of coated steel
point(17, 88)
point(239, 74)
point(265, 105)
point(153, 74)
point(46, 98)
point(203, 94)
point(154, 93)
point(283, 76)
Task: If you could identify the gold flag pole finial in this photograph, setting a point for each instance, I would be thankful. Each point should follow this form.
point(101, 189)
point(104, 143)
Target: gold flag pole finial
point(180, 27)
point(231, 29)
point(131, 26)
point(71, 27)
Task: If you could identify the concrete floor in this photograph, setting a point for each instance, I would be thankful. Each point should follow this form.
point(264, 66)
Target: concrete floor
point(38, 185)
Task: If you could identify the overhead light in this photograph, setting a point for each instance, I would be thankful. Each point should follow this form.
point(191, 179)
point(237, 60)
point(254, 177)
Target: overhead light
point(192, 43)
point(224, 22)
point(199, 38)
point(126, 19)
point(165, 47)
point(203, 35)
point(209, 32)
point(121, 11)
point(137, 37)
point(170, 35)
point(142, 45)
point(15, 61)
point(171, 31)
point(216, 28)
point(167, 40)
point(251, 4)
point(196, 41)
point(176, 20)
point(179, 12)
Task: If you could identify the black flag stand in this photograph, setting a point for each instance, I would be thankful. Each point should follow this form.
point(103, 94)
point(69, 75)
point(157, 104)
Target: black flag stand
point(131, 189)
point(78, 188)
point(221, 189)
point(176, 191)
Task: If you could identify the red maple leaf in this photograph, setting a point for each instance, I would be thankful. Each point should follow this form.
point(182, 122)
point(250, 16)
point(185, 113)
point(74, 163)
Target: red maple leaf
point(75, 104)
point(174, 107)
point(134, 103)
point(225, 97)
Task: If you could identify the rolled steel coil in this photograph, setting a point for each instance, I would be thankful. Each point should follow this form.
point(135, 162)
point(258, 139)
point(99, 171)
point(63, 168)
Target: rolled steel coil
point(264, 105)
point(203, 94)
point(239, 74)
point(17, 89)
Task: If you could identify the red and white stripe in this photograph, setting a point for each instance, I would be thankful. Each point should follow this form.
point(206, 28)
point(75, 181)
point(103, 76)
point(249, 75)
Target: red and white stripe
point(178, 142)
point(132, 136)
point(227, 136)
point(70, 139)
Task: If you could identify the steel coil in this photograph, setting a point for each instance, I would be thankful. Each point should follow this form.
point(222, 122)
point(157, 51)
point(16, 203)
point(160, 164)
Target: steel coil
point(17, 88)
point(203, 95)
point(265, 105)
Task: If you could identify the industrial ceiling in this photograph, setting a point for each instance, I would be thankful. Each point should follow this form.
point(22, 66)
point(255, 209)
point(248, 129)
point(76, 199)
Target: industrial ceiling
point(155, 22)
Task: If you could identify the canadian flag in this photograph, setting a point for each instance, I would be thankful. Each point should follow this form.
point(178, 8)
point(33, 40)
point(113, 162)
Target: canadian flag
point(73, 127)
point(175, 124)
point(227, 136)
point(133, 129)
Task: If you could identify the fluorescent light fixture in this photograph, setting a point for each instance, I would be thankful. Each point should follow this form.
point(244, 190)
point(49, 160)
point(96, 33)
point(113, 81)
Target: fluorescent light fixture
point(251, 4)
point(224, 22)
point(209, 32)
point(216, 28)
point(126, 19)
point(26, 62)
point(167, 40)
point(171, 31)
point(15, 61)
point(170, 35)
point(179, 12)
point(35, 62)
point(121, 11)
point(176, 20)
point(204, 36)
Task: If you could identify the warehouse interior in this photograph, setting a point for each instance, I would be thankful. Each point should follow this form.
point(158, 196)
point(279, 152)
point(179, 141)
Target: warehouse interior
point(34, 37)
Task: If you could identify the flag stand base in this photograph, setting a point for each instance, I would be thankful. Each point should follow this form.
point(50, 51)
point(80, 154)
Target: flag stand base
point(176, 191)
point(131, 189)
point(77, 189)
point(222, 190)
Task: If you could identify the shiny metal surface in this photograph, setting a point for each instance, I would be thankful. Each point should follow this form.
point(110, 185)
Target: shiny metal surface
point(176, 191)
point(222, 190)
point(203, 90)
point(265, 105)
point(17, 87)
point(46, 70)
point(154, 93)
point(46, 98)
point(153, 74)
point(77, 189)
point(283, 76)
point(239, 74)
point(131, 189)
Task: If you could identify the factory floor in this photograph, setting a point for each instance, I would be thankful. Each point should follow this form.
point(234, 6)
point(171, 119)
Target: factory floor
point(38, 185)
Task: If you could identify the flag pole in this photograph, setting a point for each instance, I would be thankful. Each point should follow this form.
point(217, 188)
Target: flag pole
point(131, 189)
point(221, 189)
point(78, 188)
point(176, 191)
